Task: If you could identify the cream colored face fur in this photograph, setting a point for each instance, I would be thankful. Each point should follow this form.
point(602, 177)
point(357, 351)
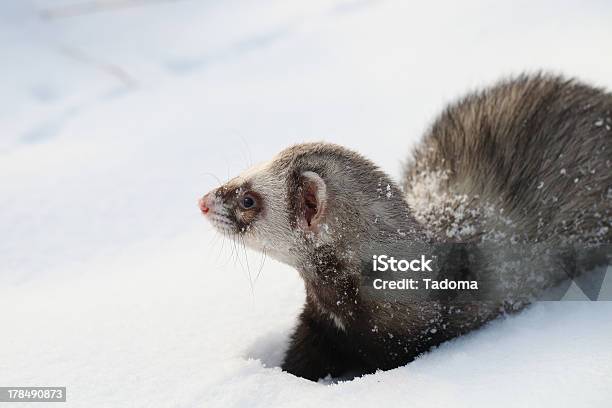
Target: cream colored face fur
point(265, 228)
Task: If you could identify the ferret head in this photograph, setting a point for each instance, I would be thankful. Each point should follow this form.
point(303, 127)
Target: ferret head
point(308, 196)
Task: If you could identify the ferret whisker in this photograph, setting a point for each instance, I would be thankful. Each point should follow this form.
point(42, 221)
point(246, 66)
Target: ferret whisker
point(235, 257)
point(236, 254)
point(248, 150)
point(212, 246)
point(246, 261)
point(233, 254)
point(223, 241)
point(219, 247)
point(215, 177)
point(214, 239)
point(232, 245)
point(261, 265)
point(244, 158)
point(228, 170)
point(244, 271)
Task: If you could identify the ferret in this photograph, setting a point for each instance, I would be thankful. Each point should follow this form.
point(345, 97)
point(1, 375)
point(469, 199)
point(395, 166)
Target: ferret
point(526, 161)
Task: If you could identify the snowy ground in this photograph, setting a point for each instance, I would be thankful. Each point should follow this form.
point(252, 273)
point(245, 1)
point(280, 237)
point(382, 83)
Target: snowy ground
point(112, 284)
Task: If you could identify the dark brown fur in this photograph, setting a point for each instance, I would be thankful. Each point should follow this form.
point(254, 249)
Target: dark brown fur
point(536, 151)
point(537, 147)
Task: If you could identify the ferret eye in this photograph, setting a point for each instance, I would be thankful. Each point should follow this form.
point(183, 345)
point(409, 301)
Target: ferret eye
point(247, 202)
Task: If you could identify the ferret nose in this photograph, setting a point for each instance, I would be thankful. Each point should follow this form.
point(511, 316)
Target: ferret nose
point(205, 204)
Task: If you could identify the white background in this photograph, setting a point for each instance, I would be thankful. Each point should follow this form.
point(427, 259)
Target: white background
point(115, 118)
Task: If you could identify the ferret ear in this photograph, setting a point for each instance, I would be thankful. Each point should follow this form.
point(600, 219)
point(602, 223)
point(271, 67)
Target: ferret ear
point(312, 200)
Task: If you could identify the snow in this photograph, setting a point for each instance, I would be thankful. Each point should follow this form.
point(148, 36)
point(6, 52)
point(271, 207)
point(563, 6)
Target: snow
point(114, 122)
